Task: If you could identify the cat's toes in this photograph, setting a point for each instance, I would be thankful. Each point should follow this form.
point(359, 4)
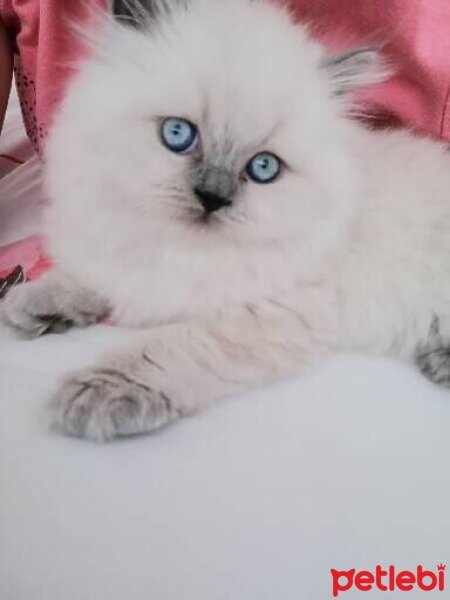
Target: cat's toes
point(30, 312)
point(434, 364)
point(103, 404)
point(18, 313)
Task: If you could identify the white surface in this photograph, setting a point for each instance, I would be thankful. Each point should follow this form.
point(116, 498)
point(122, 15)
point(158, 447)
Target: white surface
point(256, 499)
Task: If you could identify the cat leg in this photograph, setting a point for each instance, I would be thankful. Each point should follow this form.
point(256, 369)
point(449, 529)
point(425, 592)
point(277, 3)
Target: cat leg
point(175, 370)
point(51, 304)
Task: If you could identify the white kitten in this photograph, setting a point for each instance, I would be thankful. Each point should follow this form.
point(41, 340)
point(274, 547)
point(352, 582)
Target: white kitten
point(209, 188)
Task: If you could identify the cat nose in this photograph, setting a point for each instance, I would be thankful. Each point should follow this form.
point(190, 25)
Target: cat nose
point(211, 201)
point(214, 186)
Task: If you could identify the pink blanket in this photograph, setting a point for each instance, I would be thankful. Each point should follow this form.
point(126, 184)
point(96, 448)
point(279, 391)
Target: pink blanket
point(23, 260)
point(44, 48)
point(414, 34)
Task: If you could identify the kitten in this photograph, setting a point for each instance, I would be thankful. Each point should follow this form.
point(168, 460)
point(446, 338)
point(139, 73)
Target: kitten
point(209, 189)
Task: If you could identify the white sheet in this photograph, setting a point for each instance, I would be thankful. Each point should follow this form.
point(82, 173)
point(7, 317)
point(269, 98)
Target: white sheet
point(256, 499)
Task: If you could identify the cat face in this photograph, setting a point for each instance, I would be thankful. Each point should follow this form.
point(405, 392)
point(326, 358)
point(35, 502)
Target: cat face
point(224, 119)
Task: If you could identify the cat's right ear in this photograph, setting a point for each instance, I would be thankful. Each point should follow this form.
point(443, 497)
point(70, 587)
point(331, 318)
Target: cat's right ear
point(356, 69)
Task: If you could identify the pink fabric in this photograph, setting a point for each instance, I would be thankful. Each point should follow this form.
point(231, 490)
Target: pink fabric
point(415, 35)
point(28, 254)
point(44, 49)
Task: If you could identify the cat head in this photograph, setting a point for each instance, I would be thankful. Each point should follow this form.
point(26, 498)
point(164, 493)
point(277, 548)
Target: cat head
point(222, 119)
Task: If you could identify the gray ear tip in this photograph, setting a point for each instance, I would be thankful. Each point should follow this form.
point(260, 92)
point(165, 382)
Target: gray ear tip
point(367, 55)
point(136, 13)
point(357, 68)
point(369, 51)
point(142, 13)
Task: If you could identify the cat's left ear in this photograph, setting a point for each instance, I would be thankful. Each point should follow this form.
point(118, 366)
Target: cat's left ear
point(139, 13)
point(356, 69)
point(134, 12)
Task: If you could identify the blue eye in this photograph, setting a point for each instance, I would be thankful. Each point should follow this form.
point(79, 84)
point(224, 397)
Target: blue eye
point(178, 135)
point(264, 167)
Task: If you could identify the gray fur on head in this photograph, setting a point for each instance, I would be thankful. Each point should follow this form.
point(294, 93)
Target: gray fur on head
point(138, 13)
point(355, 69)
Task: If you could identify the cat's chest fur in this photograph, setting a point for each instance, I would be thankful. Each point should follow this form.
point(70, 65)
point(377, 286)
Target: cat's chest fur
point(150, 275)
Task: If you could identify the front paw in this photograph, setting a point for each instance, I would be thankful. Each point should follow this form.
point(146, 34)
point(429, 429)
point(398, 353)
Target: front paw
point(24, 313)
point(104, 404)
point(39, 307)
point(434, 364)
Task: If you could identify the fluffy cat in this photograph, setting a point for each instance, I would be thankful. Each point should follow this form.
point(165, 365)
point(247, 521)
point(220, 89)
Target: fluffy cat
point(209, 189)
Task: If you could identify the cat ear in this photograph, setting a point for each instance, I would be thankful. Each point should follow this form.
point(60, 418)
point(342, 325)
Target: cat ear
point(356, 69)
point(134, 12)
point(139, 13)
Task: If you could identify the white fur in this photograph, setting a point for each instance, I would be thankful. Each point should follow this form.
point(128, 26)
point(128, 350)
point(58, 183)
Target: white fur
point(349, 249)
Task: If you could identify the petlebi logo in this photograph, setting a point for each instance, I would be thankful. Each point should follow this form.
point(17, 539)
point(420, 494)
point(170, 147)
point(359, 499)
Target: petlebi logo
point(388, 580)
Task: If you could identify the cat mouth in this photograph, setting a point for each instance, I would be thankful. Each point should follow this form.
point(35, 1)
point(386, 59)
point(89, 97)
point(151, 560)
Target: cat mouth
point(207, 220)
point(200, 218)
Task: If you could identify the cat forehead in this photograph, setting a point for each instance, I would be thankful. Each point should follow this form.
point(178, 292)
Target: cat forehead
point(230, 66)
point(257, 46)
point(239, 69)
point(234, 116)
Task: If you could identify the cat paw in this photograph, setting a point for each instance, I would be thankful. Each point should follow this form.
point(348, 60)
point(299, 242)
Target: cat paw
point(34, 309)
point(434, 364)
point(104, 404)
